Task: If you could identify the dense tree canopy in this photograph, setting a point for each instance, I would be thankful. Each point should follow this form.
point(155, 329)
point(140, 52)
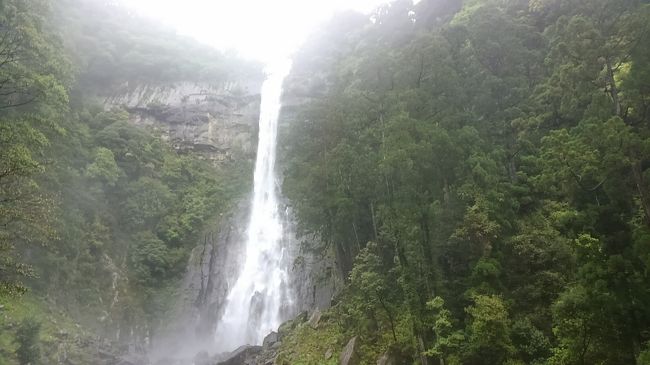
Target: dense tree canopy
point(479, 169)
point(488, 165)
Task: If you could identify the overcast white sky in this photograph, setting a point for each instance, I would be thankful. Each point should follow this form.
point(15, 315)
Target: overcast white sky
point(261, 29)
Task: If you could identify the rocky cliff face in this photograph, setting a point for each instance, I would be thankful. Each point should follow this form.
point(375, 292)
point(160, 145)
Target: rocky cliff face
point(217, 121)
point(212, 270)
point(316, 277)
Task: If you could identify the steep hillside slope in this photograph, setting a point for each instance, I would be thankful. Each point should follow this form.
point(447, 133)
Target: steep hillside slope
point(480, 172)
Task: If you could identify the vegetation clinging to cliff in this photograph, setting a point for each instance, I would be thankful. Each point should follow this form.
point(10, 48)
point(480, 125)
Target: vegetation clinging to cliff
point(96, 215)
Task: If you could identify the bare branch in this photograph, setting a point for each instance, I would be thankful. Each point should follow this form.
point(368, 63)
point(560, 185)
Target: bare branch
point(28, 101)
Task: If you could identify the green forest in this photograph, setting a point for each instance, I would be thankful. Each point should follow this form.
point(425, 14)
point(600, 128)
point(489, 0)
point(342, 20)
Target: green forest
point(93, 208)
point(482, 171)
point(478, 171)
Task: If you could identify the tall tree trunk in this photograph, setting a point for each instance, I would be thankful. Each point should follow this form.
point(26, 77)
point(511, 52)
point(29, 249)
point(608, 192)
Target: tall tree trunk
point(641, 189)
point(423, 357)
point(613, 90)
point(356, 236)
point(374, 222)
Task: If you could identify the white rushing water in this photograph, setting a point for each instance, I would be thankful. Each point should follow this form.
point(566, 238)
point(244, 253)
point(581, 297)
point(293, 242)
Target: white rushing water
point(260, 296)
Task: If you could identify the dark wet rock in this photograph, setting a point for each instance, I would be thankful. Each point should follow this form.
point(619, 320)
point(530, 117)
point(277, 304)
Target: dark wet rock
point(270, 340)
point(256, 308)
point(212, 268)
point(245, 355)
point(289, 325)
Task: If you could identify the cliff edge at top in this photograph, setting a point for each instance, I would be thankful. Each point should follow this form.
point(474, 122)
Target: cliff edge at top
point(219, 121)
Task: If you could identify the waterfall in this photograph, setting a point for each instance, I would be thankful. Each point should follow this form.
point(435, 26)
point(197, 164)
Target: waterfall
point(261, 294)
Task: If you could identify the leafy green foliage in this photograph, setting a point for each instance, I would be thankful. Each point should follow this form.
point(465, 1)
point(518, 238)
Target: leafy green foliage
point(97, 215)
point(491, 153)
point(447, 341)
point(302, 344)
point(33, 100)
point(488, 330)
point(104, 168)
point(131, 209)
point(60, 337)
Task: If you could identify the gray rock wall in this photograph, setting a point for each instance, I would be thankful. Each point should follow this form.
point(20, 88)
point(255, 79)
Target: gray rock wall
point(220, 122)
point(217, 121)
point(316, 277)
point(212, 270)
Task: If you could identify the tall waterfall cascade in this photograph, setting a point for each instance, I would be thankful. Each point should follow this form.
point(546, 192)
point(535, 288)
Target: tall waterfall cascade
point(261, 297)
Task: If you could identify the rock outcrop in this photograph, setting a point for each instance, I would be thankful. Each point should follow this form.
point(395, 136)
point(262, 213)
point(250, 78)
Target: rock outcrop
point(217, 121)
point(315, 275)
point(314, 279)
point(245, 355)
point(350, 355)
point(270, 340)
point(220, 122)
point(212, 270)
point(315, 318)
